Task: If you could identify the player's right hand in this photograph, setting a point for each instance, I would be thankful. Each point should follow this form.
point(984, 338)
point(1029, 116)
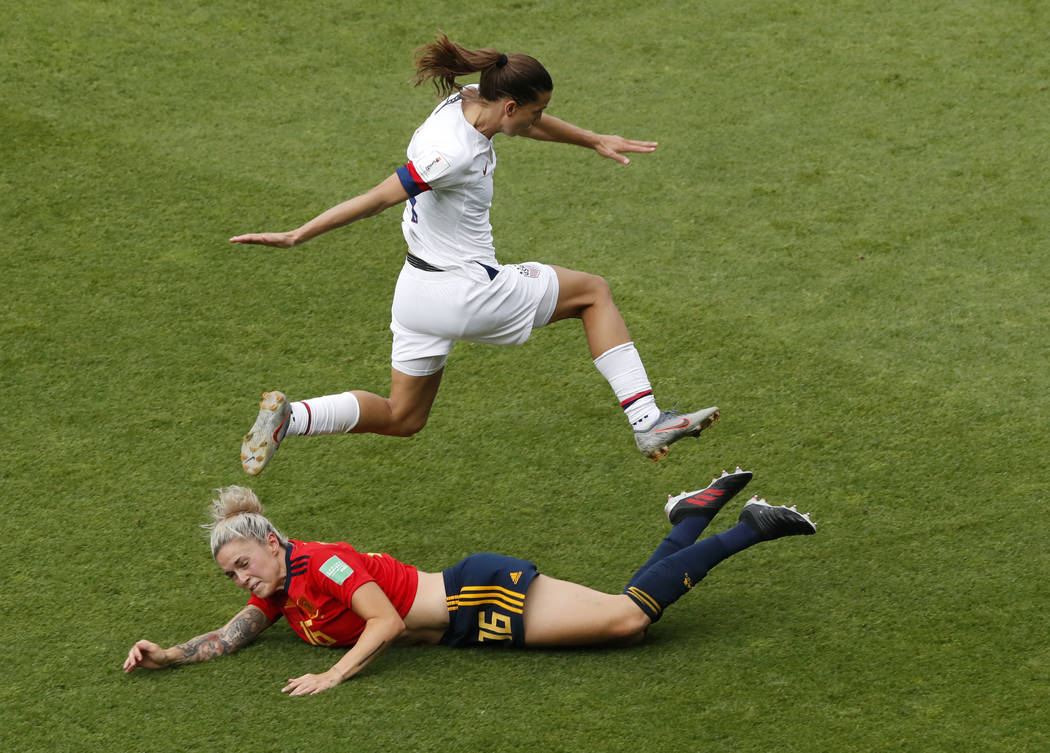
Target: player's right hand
point(147, 655)
point(277, 240)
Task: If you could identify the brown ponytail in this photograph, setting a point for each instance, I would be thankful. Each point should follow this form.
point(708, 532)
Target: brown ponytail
point(519, 77)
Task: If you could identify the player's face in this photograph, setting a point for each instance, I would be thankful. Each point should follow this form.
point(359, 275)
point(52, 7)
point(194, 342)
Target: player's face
point(255, 567)
point(518, 119)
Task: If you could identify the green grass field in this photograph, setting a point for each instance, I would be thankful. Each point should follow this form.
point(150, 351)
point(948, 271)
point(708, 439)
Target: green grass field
point(842, 241)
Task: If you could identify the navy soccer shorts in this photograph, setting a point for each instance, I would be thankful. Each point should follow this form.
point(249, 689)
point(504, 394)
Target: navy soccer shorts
point(485, 594)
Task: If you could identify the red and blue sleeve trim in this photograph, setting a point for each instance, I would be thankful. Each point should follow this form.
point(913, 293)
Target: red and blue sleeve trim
point(410, 180)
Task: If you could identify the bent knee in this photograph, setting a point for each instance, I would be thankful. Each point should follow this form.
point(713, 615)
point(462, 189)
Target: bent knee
point(408, 426)
point(630, 626)
point(579, 291)
point(597, 287)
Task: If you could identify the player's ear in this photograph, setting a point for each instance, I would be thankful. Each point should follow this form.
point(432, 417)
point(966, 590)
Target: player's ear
point(273, 543)
point(510, 107)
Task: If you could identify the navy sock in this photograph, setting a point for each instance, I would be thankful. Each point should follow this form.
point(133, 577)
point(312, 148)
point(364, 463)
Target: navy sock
point(682, 535)
point(664, 582)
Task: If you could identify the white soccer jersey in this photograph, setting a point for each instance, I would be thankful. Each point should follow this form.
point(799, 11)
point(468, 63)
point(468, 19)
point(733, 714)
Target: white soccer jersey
point(449, 180)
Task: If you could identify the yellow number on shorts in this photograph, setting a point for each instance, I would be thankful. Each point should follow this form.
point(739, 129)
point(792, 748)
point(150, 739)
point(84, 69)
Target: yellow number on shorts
point(493, 626)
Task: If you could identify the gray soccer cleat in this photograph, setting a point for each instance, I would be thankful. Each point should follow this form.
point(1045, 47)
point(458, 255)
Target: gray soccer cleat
point(708, 501)
point(771, 522)
point(671, 426)
point(266, 433)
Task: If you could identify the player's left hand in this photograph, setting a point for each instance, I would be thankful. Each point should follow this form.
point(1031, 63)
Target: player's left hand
point(310, 684)
point(612, 146)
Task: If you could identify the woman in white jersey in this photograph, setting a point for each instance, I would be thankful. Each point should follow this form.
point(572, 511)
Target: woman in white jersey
point(452, 287)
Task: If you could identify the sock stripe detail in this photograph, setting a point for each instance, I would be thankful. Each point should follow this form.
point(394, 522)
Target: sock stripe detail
point(648, 604)
point(309, 417)
point(625, 404)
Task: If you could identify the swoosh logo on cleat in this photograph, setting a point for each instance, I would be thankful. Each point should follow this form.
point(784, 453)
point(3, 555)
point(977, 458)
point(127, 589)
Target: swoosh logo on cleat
point(680, 425)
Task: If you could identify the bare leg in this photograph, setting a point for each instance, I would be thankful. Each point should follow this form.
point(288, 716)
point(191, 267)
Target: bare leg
point(560, 613)
point(402, 414)
point(406, 410)
point(587, 297)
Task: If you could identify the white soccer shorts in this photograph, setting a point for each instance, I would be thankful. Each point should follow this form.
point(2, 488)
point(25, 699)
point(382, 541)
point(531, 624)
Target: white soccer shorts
point(432, 310)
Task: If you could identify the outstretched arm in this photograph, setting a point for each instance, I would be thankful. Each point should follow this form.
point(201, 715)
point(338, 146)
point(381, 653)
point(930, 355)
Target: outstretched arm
point(234, 635)
point(387, 194)
point(382, 625)
point(550, 128)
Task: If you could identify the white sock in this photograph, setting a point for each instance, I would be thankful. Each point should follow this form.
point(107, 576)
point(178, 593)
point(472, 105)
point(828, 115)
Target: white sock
point(331, 414)
point(623, 370)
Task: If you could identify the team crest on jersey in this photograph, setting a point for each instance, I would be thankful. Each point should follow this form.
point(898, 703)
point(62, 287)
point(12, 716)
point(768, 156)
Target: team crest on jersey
point(432, 165)
point(527, 270)
point(309, 611)
point(516, 576)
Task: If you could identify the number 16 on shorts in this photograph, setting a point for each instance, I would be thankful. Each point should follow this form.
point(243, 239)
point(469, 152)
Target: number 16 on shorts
point(493, 626)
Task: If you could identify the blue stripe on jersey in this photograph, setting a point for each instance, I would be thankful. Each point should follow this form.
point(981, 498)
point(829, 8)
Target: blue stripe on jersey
point(447, 102)
point(412, 188)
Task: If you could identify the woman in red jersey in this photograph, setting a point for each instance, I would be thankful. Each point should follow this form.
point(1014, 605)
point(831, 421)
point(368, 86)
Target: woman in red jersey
point(333, 595)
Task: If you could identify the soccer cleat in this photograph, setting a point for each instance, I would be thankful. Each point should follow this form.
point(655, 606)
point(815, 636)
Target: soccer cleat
point(266, 433)
point(707, 501)
point(671, 426)
point(771, 522)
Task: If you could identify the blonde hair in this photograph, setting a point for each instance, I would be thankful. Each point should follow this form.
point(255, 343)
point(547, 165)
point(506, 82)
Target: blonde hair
point(237, 514)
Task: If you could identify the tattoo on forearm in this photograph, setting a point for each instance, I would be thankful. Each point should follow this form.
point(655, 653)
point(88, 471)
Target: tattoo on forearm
point(242, 629)
point(201, 648)
point(371, 656)
point(236, 634)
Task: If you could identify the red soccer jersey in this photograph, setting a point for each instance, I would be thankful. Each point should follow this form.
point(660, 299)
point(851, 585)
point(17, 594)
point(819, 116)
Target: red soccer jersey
point(321, 581)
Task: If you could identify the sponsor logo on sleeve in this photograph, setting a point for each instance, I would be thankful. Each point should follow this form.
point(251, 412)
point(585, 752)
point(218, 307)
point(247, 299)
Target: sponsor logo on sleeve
point(432, 165)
